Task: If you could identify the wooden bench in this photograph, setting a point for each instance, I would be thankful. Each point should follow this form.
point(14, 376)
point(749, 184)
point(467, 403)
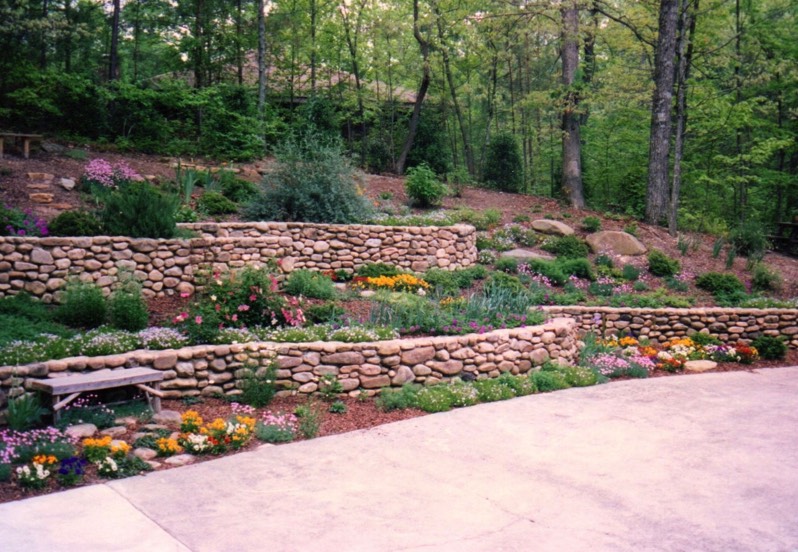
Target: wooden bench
point(74, 385)
point(26, 141)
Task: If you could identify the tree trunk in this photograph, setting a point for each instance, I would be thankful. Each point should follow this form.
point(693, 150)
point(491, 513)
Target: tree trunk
point(467, 151)
point(571, 139)
point(239, 50)
point(199, 65)
point(424, 46)
point(113, 59)
point(313, 16)
point(657, 194)
point(261, 59)
point(685, 55)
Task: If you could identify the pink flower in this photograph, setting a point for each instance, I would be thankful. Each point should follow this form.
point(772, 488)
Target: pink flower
point(235, 318)
point(253, 297)
point(184, 295)
point(243, 308)
point(198, 319)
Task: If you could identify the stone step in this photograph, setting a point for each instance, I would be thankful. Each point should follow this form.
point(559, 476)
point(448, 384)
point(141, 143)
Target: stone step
point(41, 197)
point(39, 186)
point(40, 176)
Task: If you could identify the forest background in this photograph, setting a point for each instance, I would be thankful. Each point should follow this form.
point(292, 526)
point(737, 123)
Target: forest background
point(682, 112)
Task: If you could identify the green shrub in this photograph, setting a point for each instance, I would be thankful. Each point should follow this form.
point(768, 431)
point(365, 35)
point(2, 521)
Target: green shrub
point(75, 223)
point(591, 224)
point(499, 282)
point(576, 267)
point(398, 399)
point(579, 376)
point(503, 168)
point(236, 189)
point(764, 278)
point(490, 390)
point(521, 385)
point(82, 305)
point(308, 283)
point(748, 239)
point(274, 433)
point(375, 270)
point(127, 309)
point(324, 312)
point(675, 284)
point(507, 264)
point(139, 210)
point(603, 260)
point(705, 339)
point(312, 181)
point(549, 380)
point(570, 247)
point(423, 187)
point(720, 283)
point(309, 416)
point(258, 387)
point(659, 264)
point(770, 348)
point(437, 398)
point(630, 272)
point(24, 412)
point(481, 220)
point(214, 203)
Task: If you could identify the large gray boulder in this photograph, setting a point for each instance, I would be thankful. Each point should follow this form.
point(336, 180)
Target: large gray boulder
point(619, 243)
point(527, 255)
point(552, 227)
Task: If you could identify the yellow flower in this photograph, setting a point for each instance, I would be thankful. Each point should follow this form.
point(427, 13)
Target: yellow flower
point(44, 459)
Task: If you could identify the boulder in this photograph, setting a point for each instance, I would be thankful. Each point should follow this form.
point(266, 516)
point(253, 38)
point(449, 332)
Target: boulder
point(527, 255)
point(553, 227)
point(699, 365)
point(67, 183)
point(81, 431)
point(619, 243)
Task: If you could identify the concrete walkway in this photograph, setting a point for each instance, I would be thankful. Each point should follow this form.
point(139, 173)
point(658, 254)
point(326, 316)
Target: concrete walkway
point(695, 463)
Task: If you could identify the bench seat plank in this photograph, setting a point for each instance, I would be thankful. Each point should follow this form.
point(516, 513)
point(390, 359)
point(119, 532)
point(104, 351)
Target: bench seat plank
point(94, 381)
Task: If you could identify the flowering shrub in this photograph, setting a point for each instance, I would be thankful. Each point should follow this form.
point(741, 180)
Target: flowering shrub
point(100, 172)
point(16, 222)
point(400, 282)
point(276, 427)
point(190, 421)
point(35, 475)
point(71, 471)
point(97, 449)
point(166, 446)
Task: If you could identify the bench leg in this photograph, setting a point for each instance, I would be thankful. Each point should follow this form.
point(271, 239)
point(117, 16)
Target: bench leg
point(26, 148)
point(1, 146)
point(156, 400)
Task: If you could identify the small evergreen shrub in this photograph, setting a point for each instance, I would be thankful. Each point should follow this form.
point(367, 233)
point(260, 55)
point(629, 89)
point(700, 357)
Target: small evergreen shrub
point(308, 283)
point(576, 267)
point(507, 264)
point(139, 210)
point(704, 339)
point(82, 305)
point(324, 312)
point(720, 283)
point(604, 260)
point(75, 223)
point(258, 387)
point(491, 390)
point(236, 189)
point(214, 203)
point(570, 247)
point(423, 187)
point(375, 270)
point(630, 272)
point(549, 380)
point(764, 278)
point(503, 168)
point(500, 282)
point(398, 399)
point(770, 348)
point(748, 239)
point(659, 264)
point(591, 224)
point(127, 309)
point(312, 181)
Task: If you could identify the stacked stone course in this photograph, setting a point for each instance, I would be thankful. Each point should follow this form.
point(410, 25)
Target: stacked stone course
point(41, 266)
point(660, 325)
point(211, 369)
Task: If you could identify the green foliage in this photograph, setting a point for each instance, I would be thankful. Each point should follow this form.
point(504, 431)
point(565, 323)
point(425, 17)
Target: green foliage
point(431, 145)
point(719, 283)
point(214, 203)
point(436, 398)
point(659, 264)
point(501, 282)
point(309, 416)
point(272, 433)
point(308, 283)
point(748, 239)
point(591, 224)
point(549, 380)
point(579, 376)
point(423, 187)
point(631, 228)
point(717, 245)
point(330, 387)
point(75, 223)
point(503, 168)
point(507, 264)
point(24, 412)
point(704, 339)
point(258, 387)
point(338, 407)
point(770, 348)
point(236, 189)
point(481, 220)
point(764, 278)
point(375, 270)
point(449, 282)
point(127, 309)
point(570, 247)
point(491, 390)
point(312, 181)
point(398, 399)
point(139, 210)
point(82, 305)
point(322, 313)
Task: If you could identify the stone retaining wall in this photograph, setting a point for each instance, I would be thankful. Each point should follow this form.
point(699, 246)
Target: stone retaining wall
point(660, 325)
point(210, 369)
point(41, 266)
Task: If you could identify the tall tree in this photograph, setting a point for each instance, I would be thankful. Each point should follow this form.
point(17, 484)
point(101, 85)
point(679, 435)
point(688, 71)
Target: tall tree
point(113, 57)
point(571, 139)
point(658, 190)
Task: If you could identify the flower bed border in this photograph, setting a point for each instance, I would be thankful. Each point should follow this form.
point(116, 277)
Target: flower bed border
point(207, 370)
